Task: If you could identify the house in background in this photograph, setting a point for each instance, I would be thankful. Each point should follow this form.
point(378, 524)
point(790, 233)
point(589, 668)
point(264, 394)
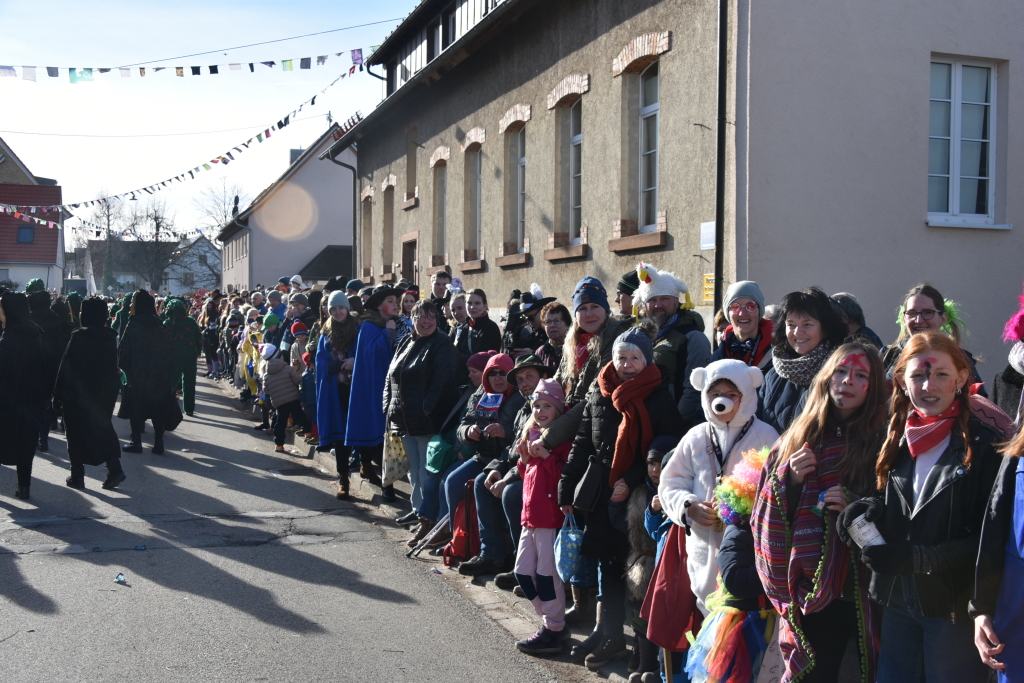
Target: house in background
point(195, 264)
point(29, 250)
point(133, 263)
point(301, 224)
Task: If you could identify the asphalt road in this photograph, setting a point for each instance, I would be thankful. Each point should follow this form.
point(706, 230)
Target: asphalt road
point(252, 571)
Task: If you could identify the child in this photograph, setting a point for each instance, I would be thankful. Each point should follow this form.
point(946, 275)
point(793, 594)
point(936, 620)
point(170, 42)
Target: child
point(307, 395)
point(733, 640)
point(281, 385)
point(301, 335)
point(541, 518)
point(707, 453)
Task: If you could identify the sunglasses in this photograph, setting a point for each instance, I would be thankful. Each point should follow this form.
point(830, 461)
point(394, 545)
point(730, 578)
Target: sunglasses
point(495, 373)
point(750, 307)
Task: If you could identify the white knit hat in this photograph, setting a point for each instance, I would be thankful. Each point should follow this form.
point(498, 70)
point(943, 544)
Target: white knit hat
point(654, 282)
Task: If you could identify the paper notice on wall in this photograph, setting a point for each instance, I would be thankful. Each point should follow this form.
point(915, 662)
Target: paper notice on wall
point(707, 236)
point(864, 533)
point(709, 288)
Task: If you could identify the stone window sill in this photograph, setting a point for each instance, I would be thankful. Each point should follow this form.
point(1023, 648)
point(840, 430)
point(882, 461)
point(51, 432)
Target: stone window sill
point(957, 222)
point(410, 203)
point(472, 266)
point(649, 240)
point(437, 269)
point(513, 260)
point(562, 253)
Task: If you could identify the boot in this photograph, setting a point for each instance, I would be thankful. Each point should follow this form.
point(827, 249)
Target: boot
point(135, 446)
point(420, 532)
point(370, 475)
point(342, 493)
point(648, 660)
point(113, 479)
point(158, 444)
point(611, 647)
point(44, 444)
point(583, 604)
point(590, 643)
point(387, 494)
point(75, 482)
point(21, 492)
point(634, 656)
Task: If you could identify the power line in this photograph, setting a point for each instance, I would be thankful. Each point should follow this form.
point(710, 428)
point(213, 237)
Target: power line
point(266, 42)
point(147, 135)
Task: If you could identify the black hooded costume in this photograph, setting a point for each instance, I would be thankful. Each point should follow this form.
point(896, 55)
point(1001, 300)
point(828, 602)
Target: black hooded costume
point(23, 389)
point(87, 385)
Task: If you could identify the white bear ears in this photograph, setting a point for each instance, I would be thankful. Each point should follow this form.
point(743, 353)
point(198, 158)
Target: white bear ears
point(698, 376)
point(756, 376)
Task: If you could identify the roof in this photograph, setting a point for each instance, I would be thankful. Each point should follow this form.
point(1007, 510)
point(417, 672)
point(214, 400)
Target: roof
point(409, 25)
point(241, 220)
point(334, 259)
point(6, 150)
point(31, 195)
point(485, 29)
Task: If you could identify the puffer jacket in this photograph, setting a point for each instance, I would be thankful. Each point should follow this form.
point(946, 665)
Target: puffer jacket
point(946, 528)
point(679, 350)
point(781, 400)
point(281, 383)
point(418, 393)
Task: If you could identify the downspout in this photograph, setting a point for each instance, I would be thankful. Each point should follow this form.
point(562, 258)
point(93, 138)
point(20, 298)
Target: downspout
point(723, 65)
point(355, 180)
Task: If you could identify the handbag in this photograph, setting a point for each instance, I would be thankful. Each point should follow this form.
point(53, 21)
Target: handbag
point(589, 487)
point(567, 548)
point(395, 461)
point(440, 454)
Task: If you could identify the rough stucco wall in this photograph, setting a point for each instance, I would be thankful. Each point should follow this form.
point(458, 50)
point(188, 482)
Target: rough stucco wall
point(838, 158)
point(522, 66)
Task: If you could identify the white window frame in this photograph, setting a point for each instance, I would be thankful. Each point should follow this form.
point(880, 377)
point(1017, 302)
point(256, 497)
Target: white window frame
point(953, 218)
point(652, 110)
point(575, 141)
point(519, 205)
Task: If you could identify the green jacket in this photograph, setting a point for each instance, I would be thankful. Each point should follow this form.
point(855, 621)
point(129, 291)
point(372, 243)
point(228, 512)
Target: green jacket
point(185, 334)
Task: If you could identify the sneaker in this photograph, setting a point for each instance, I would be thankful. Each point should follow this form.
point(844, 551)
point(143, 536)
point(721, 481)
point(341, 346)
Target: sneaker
point(480, 565)
point(280, 449)
point(518, 592)
point(440, 540)
point(506, 581)
point(543, 642)
point(407, 518)
point(261, 426)
point(112, 480)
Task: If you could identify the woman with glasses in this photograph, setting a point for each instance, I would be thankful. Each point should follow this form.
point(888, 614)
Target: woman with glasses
point(925, 309)
point(749, 335)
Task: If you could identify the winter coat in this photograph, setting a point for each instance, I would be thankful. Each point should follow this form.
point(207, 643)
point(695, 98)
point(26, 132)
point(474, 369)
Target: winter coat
point(418, 392)
point(737, 567)
point(679, 350)
point(185, 335)
point(781, 400)
point(53, 337)
point(211, 341)
point(332, 392)
point(550, 356)
point(307, 388)
point(630, 517)
point(540, 489)
point(565, 428)
point(281, 383)
point(946, 528)
point(143, 355)
point(996, 528)
point(763, 353)
point(490, 448)
point(482, 334)
point(87, 386)
point(1006, 391)
point(365, 424)
point(23, 389)
point(594, 446)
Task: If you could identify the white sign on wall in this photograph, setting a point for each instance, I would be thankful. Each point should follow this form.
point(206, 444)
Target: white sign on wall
point(707, 236)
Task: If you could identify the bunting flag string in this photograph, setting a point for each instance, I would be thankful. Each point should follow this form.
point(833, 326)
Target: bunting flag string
point(88, 75)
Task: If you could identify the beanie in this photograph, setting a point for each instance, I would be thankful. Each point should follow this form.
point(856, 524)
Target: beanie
point(660, 447)
point(338, 298)
point(636, 337)
point(274, 295)
point(270, 321)
point(744, 288)
point(628, 283)
point(550, 390)
point(298, 298)
point(307, 359)
point(589, 290)
point(298, 327)
point(478, 361)
point(354, 284)
point(268, 351)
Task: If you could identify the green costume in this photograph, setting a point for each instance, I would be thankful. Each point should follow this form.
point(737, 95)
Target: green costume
point(188, 344)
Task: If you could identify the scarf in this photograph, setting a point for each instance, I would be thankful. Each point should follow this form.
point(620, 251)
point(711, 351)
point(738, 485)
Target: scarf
point(925, 432)
point(800, 370)
point(669, 324)
point(582, 349)
point(628, 398)
point(1017, 357)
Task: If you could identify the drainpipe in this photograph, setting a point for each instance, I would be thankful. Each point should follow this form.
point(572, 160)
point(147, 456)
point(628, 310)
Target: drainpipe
point(355, 180)
point(723, 65)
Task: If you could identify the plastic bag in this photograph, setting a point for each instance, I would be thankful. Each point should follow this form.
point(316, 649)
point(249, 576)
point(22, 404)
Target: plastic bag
point(567, 548)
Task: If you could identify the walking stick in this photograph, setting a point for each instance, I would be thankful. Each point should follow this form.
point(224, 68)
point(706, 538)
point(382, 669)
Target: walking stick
point(668, 664)
point(418, 548)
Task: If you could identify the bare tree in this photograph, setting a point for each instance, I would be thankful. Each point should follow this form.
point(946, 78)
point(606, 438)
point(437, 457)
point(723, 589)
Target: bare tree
point(216, 204)
point(148, 240)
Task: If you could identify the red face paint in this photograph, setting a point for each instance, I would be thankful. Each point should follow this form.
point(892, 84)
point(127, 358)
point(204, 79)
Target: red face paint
point(858, 361)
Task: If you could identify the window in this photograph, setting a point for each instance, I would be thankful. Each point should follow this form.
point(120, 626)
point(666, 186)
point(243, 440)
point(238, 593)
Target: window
point(367, 241)
point(440, 202)
point(447, 27)
point(649, 149)
point(26, 234)
point(411, 147)
point(5, 274)
point(392, 75)
point(960, 154)
point(202, 260)
point(575, 171)
point(518, 224)
point(474, 179)
point(188, 279)
point(434, 40)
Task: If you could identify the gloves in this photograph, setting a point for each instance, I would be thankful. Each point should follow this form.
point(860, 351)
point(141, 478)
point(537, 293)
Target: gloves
point(891, 559)
point(872, 509)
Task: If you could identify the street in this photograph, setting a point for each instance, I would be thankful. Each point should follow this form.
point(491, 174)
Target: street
point(239, 565)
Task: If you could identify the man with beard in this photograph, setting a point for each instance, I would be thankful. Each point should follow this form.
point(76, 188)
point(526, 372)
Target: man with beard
point(680, 345)
point(87, 385)
point(22, 392)
point(54, 339)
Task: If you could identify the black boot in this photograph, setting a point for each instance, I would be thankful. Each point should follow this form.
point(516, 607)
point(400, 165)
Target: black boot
point(44, 444)
point(158, 444)
point(21, 492)
point(634, 656)
point(134, 446)
point(115, 475)
point(611, 647)
point(77, 478)
point(590, 643)
point(648, 659)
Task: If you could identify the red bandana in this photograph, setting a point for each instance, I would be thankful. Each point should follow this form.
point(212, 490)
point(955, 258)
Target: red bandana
point(926, 432)
point(582, 353)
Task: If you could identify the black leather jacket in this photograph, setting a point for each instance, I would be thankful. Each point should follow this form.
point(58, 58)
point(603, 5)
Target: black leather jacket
point(997, 527)
point(946, 527)
point(420, 388)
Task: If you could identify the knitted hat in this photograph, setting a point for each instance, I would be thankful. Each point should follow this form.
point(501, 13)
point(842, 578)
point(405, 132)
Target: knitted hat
point(338, 298)
point(283, 280)
point(478, 361)
point(354, 284)
point(660, 447)
point(299, 328)
point(744, 288)
point(654, 282)
point(269, 321)
point(551, 391)
point(628, 283)
point(274, 295)
point(365, 291)
point(298, 298)
point(268, 351)
point(589, 290)
point(638, 339)
point(307, 358)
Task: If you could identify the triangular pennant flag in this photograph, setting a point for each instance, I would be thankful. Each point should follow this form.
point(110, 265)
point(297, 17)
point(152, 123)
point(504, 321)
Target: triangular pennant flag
point(9, 72)
point(269, 64)
point(208, 167)
point(159, 68)
point(352, 70)
point(373, 48)
point(252, 67)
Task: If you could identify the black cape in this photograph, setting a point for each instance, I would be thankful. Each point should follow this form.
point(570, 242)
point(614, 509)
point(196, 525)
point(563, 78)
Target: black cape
point(22, 383)
point(146, 356)
point(53, 338)
point(87, 385)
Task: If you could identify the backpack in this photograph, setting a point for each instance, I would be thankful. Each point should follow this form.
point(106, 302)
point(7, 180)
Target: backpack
point(465, 541)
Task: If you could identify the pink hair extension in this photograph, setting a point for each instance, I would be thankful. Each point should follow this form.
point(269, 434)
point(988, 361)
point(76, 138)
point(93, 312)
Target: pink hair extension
point(1014, 329)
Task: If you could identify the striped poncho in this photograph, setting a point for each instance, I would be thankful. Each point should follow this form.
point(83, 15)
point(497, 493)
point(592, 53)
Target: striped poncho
point(803, 564)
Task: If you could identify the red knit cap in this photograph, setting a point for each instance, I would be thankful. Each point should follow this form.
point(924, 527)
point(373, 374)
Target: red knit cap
point(298, 327)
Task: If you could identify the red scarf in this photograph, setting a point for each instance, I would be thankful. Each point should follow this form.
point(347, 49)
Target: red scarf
point(628, 398)
point(925, 432)
point(582, 352)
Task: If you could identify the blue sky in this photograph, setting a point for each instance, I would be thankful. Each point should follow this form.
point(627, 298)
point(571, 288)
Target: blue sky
point(115, 33)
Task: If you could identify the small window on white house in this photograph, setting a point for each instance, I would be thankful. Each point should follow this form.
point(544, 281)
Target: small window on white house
point(961, 159)
point(649, 99)
point(575, 171)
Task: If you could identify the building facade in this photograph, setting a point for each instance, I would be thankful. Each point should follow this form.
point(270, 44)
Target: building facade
point(523, 141)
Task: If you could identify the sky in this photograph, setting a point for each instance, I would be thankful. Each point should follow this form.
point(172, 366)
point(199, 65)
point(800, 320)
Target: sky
point(118, 33)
